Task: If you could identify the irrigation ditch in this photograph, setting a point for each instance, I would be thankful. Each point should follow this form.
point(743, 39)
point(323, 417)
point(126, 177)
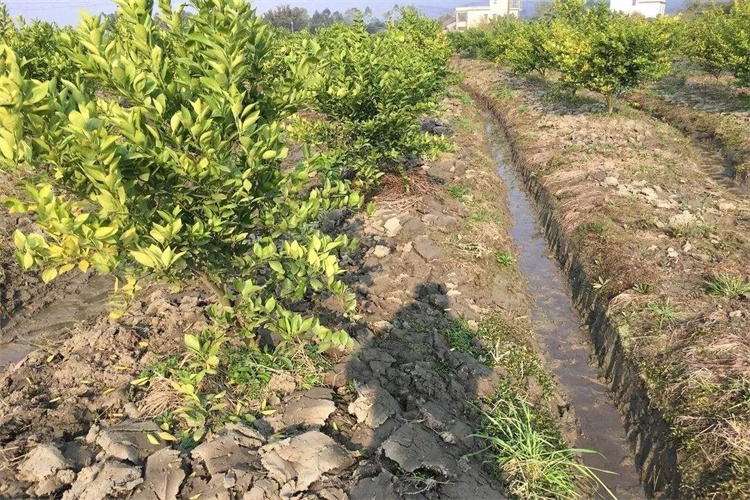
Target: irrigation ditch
point(646, 430)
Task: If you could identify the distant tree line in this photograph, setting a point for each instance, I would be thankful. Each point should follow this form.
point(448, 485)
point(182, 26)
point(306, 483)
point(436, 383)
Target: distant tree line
point(297, 18)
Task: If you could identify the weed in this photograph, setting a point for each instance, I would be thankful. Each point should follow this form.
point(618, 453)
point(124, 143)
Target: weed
point(726, 285)
point(664, 312)
point(643, 288)
point(686, 231)
point(600, 283)
point(462, 338)
point(464, 124)
point(483, 215)
point(504, 93)
point(462, 96)
point(370, 209)
point(530, 457)
point(458, 190)
point(503, 257)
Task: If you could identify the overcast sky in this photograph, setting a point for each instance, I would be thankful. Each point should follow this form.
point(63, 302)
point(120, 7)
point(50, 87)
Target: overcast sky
point(66, 11)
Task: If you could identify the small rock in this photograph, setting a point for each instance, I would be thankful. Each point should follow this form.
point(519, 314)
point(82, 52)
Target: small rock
point(109, 479)
point(426, 249)
point(727, 207)
point(682, 220)
point(129, 440)
point(687, 247)
point(611, 181)
point(309, 408)
point(414, 448)
point(163, 477)
point(649, 193)
point(373, 406)
point(380, 487)
point(735, 315)
point(381, 251)
point(44, 461)
point(392, 226)
point(382, 326)
point(672, 253)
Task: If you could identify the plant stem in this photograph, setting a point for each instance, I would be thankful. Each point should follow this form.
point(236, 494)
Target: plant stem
point(215, 289)
point(610, 104)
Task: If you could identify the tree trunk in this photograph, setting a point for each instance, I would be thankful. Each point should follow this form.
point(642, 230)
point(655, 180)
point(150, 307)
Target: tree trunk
point(610, 104)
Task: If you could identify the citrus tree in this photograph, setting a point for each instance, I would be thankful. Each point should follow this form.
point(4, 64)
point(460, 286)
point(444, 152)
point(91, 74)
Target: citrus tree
point(610, 53)
point(527, 50)
point(38, 45)
point(738, 33)
point(704, 40)
point(177, 172)
point(372, 90)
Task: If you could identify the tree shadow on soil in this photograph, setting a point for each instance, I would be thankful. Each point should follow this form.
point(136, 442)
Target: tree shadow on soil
point(414, 418)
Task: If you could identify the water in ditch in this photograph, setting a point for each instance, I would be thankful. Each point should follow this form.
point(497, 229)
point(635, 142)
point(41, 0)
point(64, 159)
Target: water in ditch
point(558, 327)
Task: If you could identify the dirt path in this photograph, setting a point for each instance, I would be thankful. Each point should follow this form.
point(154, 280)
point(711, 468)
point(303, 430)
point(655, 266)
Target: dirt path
point(393, 419)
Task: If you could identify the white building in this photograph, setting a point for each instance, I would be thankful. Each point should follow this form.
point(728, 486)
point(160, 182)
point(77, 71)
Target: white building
point(471, 17)
point(648, 8)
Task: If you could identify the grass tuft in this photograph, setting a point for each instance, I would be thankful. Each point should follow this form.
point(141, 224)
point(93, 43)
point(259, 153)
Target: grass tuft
point(726, 285)
point(531, 458)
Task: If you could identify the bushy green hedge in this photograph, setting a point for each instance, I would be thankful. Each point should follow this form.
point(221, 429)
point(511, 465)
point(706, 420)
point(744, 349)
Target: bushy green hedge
point(372, 90)
point(38, 47)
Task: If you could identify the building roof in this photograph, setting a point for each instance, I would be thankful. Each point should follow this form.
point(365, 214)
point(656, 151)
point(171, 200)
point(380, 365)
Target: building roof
point(472, 7)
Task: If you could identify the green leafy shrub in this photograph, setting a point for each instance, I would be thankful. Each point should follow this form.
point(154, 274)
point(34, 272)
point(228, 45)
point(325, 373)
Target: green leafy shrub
point(372, 90)
point(527, 50)
point(739, 36)
point(38, 47)
point(176, 174)
point(704, 40)
point(488, 42)
point(610, 53)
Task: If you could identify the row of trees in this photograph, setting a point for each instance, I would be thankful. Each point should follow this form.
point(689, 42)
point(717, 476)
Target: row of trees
point(177, 175)
point(172, 169)
point(297, 18)
point(612, 53)
point(717, 38)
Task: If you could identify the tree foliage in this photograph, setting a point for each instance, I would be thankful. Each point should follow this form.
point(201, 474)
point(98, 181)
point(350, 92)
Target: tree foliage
point(177, 173)
point(608, 52)
point(527, 51)
point(704, 40)
point(373, 89)
point(37, 46)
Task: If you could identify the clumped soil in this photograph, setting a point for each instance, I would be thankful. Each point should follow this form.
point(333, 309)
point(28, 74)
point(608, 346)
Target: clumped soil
point(394, 418)
point(651, 226)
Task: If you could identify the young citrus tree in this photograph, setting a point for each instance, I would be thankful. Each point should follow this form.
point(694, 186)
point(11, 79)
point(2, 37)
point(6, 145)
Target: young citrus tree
point(707, 40)
point(38, 45)
point(176, 174)
point(610, 53)
point(372, 90)
point(527, 51)
point(738, 34)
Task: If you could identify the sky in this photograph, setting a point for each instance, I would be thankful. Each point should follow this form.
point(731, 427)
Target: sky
point(66, 11)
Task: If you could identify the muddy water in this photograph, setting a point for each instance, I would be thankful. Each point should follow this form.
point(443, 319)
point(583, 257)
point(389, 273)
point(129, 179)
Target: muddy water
point(568, 353)
point(52, 322)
